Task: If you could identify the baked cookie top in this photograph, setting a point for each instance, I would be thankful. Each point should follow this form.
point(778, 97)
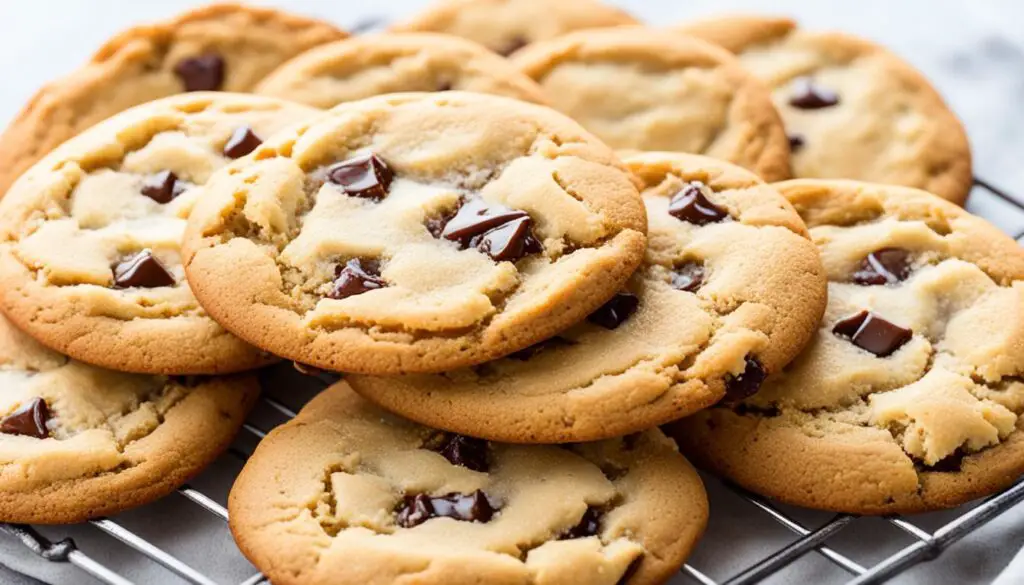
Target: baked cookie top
point(415, 233)
point(226, 47)
point(853, 109)
point(505, 26)
point(730, 288)
point(348, 493)
point(910, 397)
point(90, 236)
point(365, 66)
point(79, 442)
point(654, 90)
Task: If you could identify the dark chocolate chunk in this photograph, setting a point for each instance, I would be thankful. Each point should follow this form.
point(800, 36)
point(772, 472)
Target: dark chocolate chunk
point(356, 277)
point(163, 187)
point(476, 217)
point(616, 311)
point(29, 420)
point(202, 73)
point(807, 95)
point(243, 141)
point(871, 332)
point(541, 346)
point(141, 270)
point(510, 241)
point(465, 451)
point(688, 276)
point(513, 45)
point(366, 176)
point(588, 525)
point(746, 384)
point(692, 205)
point(796, 142)
point(885, 266)
point(416, 510)
point(502, 233)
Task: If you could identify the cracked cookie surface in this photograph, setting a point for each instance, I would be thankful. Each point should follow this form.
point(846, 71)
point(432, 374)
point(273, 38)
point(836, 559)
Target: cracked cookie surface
point(909, 398)
point(224, 47)
point(653, 90)
point(80, 442)
point(853, 110)
point(729, 279)
point(348, 493)
point(90, 237)
point(366, 66)
point(415, 233)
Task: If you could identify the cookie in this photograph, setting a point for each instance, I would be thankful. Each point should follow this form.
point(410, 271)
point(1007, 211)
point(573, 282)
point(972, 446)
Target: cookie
point(224, 47)
point(90, 236)
point(365, 66)
point(647, 90)
point(853, 109)
point(505, 26)
point(80, 442)
point(347, 493)
point(415, 233)
point(910, 396)
point(731, 288)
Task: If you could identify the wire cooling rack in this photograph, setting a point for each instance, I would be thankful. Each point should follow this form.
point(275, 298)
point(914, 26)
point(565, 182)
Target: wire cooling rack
point(925, 545)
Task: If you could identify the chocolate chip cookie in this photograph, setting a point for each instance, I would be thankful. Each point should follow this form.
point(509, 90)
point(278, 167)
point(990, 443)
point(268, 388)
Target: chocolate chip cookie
point(911, 395)
point(505, 26)
point(730, 290)
point(90, 236)
point(348, 493)
point(853, 109)
point(225, 47)
point(366, 66)
point(415, 233)
point(79, 442)
point(645, 89)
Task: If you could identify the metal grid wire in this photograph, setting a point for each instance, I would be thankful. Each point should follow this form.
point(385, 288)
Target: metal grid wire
point(926, 545)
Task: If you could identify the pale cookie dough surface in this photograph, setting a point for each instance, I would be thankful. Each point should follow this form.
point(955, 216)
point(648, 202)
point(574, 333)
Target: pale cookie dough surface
point(139, 65)
point(68, 223)
point(880, 423)
point(888, 126)
point(646, 89)
point(320, 502)
point(269, 247)
point(365, 66)
point(505, 26)
point(760, 295)
point(113, 441)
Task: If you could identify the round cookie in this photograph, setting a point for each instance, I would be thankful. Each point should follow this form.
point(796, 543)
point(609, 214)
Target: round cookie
point(415, 233)
point(365, 66)
point(731, 288)
point(910, 397)
point(348, 493)
point(78, 442)
point(853, 109)
point(225, 47)
point(652, 90)
point(90, 236)
point(505, 26)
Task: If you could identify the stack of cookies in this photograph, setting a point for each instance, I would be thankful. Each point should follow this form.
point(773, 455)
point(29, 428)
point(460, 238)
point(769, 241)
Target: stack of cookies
point(527, 235)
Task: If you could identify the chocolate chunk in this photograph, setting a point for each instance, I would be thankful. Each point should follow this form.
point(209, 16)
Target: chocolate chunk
point(362, 176)
point(688, 276)
point(807, 95)
point(513, 45)
point(539, 347)
point(502, 233)
point(692, 205)
point(476, 217)
point(356, 277)
point(163, 187)
point(202, 73)
point(616, 311)
point(796, 142)
point(141, 270)
point(870, 332)
point(243, 141)
point(416, 510)
point(29, 420)
point(588, 525)
point(746, 384)
point(510, 241)
point(465, 451)
point(885, 266)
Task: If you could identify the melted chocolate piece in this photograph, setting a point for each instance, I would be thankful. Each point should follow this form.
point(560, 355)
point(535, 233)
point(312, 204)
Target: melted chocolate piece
point(202, 73)
point(871, 332)
point(807, 95)
point(502, 233)
point(365, 176)
point(616, 311)
point(356, 277)
point(163, 187)
point(539, 347)
point(885, 266)
point(513, 45)
point(746, 384)
point(464, 451)
point(243, 141)
point(692, 205)
point(796, 142)
point(688, 276)
point(141, 270)
point(475, 217)
point(416, 510)
point(29, 420)
point(589, 525)
point(510, 241)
